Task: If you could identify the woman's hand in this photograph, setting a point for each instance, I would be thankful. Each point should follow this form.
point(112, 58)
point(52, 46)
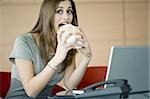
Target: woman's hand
point(84, 46)
point(80, 44)
point(62, 47)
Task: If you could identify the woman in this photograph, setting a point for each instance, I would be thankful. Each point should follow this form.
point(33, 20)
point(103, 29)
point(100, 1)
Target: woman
point(41, 58)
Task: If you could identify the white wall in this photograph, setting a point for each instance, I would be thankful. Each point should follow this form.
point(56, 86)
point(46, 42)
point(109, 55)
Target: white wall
point(105, 22)
point(1, 54)
point(16, 19)
point(149, 21)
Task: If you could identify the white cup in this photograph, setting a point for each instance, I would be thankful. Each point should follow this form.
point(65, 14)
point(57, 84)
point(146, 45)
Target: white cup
point(69, 28)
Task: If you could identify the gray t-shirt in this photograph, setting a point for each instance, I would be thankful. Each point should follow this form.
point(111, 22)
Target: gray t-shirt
point(25, 48)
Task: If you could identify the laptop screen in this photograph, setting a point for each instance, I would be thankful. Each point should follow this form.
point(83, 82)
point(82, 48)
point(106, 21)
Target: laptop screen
point(131, 63)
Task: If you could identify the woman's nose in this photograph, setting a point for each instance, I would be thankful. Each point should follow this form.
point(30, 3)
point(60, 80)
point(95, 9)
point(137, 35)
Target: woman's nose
point(65, 16)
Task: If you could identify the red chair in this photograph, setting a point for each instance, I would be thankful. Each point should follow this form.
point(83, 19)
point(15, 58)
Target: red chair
point(93, 75)
point(57, 89)
point(4, 83)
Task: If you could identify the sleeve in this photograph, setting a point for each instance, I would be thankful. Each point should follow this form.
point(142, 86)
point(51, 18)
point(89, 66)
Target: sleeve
point(20, 49)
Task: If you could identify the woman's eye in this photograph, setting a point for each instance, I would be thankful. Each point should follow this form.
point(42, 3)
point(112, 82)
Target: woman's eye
point(59, 11)
point(70, 11)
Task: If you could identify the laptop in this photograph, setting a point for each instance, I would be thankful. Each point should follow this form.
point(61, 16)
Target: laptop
point(131, 63)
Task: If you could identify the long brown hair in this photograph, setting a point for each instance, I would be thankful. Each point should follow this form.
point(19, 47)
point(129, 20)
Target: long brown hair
point(45, 28)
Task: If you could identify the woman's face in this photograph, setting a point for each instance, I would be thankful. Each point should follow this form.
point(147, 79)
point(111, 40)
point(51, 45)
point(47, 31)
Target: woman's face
point(63, 14)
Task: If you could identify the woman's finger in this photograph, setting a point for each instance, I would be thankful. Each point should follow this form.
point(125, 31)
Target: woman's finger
point(64, 38)
point(59, 35)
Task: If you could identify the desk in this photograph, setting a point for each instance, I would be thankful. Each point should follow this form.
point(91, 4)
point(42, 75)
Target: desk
point(63, 95)
point(139, 95)
point(108, 93)
point(136, 95)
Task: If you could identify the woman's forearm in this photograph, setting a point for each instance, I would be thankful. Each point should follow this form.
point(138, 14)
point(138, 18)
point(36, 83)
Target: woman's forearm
point(33, 85)
point(38, 82)
point(77, 75)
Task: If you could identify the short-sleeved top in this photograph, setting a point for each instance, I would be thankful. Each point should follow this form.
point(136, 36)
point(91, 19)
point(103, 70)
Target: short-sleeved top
point(26, 48)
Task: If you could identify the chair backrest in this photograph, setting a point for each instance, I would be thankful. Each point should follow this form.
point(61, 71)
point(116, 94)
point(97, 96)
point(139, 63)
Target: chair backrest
point(5, 78)
point(4, 83)
point(57, 89)
point(93, 75)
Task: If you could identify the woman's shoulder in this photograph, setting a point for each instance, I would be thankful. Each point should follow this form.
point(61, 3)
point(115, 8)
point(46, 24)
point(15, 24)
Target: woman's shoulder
point(25, 37)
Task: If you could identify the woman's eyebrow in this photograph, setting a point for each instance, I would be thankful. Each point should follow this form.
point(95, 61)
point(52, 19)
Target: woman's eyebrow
point(70, 8)
point(63, 7)
point(59, 8)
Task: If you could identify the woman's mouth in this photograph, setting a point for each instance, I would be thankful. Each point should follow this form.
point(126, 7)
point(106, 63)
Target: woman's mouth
point(62, 24)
